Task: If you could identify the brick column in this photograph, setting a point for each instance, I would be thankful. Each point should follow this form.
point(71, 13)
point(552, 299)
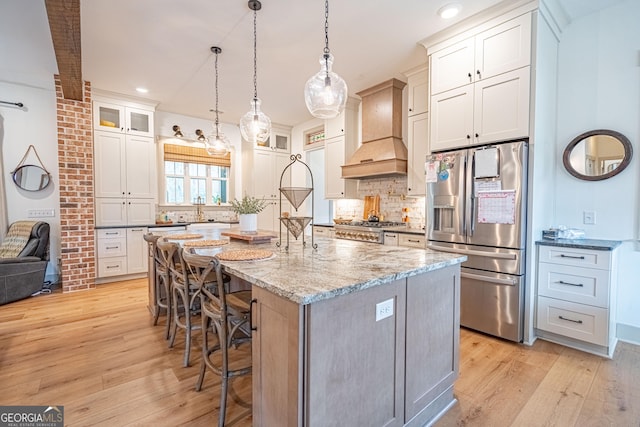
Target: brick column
point(75, 161)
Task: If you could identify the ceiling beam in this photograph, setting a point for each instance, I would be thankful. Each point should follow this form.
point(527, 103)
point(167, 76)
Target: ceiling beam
point(64, 23)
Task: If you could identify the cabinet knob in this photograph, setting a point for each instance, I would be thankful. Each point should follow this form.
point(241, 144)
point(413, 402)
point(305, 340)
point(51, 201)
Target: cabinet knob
point(468, 136)
point(410, 109)
point(469, 76)
point(409, 189)
point(477, 135)
point(478, 73)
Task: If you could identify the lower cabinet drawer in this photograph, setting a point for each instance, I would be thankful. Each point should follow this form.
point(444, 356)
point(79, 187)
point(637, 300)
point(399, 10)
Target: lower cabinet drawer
point(112, 247)
point(414, 241)
point(575, 284)
point(115, 266)
point(582, 322)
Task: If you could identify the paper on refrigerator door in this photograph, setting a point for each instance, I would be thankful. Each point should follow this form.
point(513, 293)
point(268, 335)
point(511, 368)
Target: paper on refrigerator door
point(496, 207)
point(431, 170)
point(486, 163)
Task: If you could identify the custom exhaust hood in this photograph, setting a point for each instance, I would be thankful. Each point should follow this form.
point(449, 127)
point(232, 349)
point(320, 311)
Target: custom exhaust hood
point(382, 152)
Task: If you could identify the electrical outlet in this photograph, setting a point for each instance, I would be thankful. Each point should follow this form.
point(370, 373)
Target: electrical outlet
point(384, 309)
point(589, 217)
point(41, 213)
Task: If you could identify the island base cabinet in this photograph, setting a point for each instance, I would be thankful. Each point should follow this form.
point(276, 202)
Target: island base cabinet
point(384, 356)
point(276, 360)
point(432, 344)
point(355, 373)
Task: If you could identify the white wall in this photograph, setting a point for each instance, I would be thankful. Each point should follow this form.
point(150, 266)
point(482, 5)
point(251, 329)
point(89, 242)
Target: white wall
point(35, 124)
point(599, 87)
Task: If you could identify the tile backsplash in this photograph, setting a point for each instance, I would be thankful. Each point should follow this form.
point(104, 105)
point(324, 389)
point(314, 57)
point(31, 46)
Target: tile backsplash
point(394, 205)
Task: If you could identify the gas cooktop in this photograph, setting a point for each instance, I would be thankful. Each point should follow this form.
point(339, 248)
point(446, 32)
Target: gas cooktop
point(375, 224)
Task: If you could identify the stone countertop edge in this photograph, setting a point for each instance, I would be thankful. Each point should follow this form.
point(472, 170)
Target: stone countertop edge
point(305, 278)
point(395, 229)
point(173, 224)
point(595, 244)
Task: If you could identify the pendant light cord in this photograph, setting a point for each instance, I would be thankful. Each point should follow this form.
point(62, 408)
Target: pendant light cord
point(326, 37)
point(255, 62)
point(217, 120)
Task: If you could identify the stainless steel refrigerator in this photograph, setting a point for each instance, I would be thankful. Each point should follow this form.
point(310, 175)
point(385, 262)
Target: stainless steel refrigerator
point(476, 206)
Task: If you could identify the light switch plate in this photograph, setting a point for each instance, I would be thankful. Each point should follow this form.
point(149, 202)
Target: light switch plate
point(589, 217)
point(41, 213)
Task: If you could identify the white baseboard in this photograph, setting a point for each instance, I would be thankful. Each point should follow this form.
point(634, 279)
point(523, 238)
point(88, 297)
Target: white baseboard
point(628, 333)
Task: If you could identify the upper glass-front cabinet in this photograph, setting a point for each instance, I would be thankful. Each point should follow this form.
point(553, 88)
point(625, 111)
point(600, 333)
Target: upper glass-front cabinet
point(278, 141)
point(121, 119)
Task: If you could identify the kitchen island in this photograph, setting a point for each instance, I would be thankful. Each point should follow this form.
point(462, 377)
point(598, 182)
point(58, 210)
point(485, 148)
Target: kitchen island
point(352, 333)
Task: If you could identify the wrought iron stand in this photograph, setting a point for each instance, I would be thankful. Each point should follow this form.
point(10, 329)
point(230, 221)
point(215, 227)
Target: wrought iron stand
point(296, 196)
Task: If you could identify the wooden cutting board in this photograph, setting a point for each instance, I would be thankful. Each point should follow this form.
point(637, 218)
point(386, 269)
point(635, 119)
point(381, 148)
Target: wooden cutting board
point(371, 205)
point(258, 237)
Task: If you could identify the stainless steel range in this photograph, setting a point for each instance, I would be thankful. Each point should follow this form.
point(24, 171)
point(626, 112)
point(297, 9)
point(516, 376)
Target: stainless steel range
point(364, 231)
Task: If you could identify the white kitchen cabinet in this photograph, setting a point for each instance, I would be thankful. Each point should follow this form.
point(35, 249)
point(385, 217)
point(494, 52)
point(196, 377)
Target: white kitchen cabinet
point(417, 90)
point(124, 211)
point(418, 147)
point(576, 297)
point(137, 250)
point(113, 117)
point(335, 156)
point(480, 87)
point(391, 239)
point(341, 141)
point(503, 47)
point(262, 170)
point(322, 231)
point(412, 240)
point(279, 140)
point(124, 166)
point(121, 251)
point(492, 110)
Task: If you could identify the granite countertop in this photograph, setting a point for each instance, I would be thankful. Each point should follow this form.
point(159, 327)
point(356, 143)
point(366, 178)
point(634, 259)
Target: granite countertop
point(596, 244)
point(337, 267)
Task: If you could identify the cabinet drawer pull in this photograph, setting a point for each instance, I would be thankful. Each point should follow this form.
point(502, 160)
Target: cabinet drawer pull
point(562, 282)
point(111, 232)
point(572, 257)
point(569, 320)
point(413, 241)
point(112, 266)
point(112, 247)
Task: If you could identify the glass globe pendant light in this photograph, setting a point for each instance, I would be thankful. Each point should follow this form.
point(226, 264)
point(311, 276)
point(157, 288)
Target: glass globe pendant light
point(255, 126)
point(217, 143)
point(326, 92)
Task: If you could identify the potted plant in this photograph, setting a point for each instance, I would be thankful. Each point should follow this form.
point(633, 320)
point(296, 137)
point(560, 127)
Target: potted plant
point(247, 210)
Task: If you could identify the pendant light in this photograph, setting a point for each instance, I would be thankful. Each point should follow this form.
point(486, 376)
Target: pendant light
point(217, 144)
point(255, 126)
point(326, 92)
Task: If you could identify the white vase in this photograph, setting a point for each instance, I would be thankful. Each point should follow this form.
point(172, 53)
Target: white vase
point(248, 223)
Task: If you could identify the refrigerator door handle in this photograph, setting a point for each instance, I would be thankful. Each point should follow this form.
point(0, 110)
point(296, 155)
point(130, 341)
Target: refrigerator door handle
point(508, 282)
point(463, 217)
point(472, 252)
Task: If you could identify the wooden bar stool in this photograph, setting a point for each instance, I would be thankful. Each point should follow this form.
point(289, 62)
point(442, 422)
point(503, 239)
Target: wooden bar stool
point(224, 314)
point(162, 289)
point(184, 295)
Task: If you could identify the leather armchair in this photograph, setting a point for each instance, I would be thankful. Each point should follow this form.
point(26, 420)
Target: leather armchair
point(23, 275)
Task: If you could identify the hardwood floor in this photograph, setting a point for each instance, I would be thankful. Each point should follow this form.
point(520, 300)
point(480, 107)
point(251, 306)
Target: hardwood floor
point(97, 353)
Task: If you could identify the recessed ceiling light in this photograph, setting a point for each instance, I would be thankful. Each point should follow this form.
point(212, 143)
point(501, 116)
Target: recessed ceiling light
point(142, 90)
point(449, 11)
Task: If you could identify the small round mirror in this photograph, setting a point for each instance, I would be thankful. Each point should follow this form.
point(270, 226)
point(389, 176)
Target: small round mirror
point(597, 155)
point(31, 178)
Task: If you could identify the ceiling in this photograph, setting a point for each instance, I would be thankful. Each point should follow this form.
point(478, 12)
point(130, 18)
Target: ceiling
point(164, 46)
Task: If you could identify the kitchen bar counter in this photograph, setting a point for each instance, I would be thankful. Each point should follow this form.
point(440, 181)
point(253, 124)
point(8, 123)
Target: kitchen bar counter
point(324, 320)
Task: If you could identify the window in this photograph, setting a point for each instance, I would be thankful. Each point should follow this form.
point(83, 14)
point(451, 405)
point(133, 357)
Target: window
point(191, 173)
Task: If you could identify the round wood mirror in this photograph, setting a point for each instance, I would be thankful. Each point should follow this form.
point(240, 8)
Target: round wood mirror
point(31, 177)
point(597, 154)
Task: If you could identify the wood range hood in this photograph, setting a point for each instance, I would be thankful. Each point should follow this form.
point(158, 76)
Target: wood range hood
point(382, 152)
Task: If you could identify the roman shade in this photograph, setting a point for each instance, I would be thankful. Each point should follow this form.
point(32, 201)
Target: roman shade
point(183, 153)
